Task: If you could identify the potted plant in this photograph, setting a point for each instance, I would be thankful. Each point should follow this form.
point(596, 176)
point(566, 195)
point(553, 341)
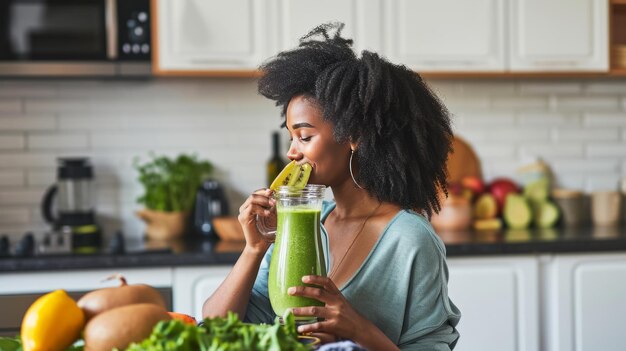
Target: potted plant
point(170, 187)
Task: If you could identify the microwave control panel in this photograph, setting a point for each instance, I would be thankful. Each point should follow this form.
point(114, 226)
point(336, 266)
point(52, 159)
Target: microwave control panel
point(134, 30)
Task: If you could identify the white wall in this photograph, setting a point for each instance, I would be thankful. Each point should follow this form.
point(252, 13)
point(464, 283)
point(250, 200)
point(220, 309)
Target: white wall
point(578, 126)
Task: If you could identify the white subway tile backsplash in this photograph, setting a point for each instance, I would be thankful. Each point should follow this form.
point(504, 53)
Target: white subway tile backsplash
point(11, 178)
point(10, 105)
point(577, 126)
point(518, 134)
point(502, 168)
point(40, 177)
point(123, 105)
point(605, 119)
point(48, 105)
point(444, 88)
point(11, 142)
point(603, 182)
point(488, 88)
point(550, 88)
point(29, 196)
point(14, 216)
point(460, 104)
point(570, 181)
point(585, 166)
point(26, 123)
point(24, 88)
point(478, 119)
point(471, 135)
point(587, 103)
point(604, 88)
point(487, 151)
point(160, 140)
point(548, 119)
point(587, 134)
point(182, 122)
point(552, 151)
point(27, 160)
point(58, 141)
point(617, 149)
point(520, 103)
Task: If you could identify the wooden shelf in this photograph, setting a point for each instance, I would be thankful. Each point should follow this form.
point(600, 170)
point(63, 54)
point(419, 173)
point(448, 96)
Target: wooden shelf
point(517, 75)
point(618, 2)
point(616, 73)
point(208, 74)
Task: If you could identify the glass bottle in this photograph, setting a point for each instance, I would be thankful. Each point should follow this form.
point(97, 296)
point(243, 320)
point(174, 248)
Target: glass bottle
point(276, 163)
point(298, 247)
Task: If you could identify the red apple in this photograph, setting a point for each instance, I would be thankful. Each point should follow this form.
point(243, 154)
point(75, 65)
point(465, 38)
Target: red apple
point(455, 188)
point(473, 183)
point(500, 188)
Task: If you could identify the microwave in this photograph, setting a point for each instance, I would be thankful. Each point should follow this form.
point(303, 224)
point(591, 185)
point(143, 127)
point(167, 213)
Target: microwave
point(65, 38)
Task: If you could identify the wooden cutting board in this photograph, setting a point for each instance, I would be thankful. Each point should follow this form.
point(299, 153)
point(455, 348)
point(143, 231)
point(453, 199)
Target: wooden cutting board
point(462, 161)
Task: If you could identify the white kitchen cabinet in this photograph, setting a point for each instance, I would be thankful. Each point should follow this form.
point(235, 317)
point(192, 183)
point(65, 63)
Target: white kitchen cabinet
point(499, 302)
point(446, 35)
point(205, 35)
point(586, 302)
point(193, 285)
point(362, 19)
point(81, 280)
point(559, 35)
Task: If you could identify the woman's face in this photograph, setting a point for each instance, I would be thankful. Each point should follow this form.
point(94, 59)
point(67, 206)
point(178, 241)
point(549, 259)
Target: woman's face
point(312, 141)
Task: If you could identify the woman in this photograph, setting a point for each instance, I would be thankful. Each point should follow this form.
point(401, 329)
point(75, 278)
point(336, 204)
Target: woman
point(378, 137)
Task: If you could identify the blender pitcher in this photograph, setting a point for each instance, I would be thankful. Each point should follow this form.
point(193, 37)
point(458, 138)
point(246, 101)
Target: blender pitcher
point(298, 247)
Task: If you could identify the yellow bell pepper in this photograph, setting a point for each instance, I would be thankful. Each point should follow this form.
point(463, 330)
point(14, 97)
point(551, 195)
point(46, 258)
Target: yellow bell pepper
point(53, 322)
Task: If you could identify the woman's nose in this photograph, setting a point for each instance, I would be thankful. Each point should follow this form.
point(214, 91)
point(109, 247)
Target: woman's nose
point(293, 153)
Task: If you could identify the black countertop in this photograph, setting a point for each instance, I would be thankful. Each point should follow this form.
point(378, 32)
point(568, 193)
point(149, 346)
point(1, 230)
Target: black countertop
point(458, 244)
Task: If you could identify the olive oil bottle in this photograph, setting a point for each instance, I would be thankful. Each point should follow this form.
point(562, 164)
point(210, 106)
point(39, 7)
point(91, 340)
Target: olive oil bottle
point(276, 163)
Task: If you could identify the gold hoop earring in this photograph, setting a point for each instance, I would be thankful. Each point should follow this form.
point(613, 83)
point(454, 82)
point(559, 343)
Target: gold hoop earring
point(350, 167)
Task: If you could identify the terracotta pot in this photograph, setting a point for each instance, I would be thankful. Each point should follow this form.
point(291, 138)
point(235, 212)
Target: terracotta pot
point(164, 225)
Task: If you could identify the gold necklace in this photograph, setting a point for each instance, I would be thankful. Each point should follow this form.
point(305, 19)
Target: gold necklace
point(336, 267)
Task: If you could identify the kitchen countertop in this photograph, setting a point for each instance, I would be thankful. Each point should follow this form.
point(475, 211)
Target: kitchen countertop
point(458, 244)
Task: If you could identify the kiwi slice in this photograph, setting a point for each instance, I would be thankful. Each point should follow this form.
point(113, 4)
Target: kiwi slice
point(294, 175)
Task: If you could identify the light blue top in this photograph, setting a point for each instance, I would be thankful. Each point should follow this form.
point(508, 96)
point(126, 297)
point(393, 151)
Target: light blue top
point(402, 286)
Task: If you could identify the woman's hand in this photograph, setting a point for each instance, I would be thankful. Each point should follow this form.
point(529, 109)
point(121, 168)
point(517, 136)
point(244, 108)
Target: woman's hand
point(258, 203)
point(339, 317)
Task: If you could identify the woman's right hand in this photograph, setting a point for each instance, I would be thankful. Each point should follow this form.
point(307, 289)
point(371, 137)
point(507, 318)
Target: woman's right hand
point(258, 203)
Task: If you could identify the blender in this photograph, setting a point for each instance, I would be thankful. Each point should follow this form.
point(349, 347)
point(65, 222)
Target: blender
point(72, 196)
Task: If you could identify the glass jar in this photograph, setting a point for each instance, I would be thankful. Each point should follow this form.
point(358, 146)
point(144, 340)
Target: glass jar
point(298, 247)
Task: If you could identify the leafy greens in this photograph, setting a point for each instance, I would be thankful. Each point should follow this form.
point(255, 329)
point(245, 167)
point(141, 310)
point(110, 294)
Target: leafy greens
point(222, 334)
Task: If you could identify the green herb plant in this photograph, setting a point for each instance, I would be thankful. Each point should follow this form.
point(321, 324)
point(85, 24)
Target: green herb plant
point(170, 184)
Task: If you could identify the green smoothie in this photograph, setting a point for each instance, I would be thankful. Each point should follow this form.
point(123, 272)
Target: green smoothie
point(297, 252)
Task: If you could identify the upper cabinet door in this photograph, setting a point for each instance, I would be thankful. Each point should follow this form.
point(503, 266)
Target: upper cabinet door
point(362, 19)
point(559, 35)
point(446, 35)
point(201, 35)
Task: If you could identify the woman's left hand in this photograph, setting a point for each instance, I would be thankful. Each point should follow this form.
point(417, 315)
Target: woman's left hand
point(339, 317)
